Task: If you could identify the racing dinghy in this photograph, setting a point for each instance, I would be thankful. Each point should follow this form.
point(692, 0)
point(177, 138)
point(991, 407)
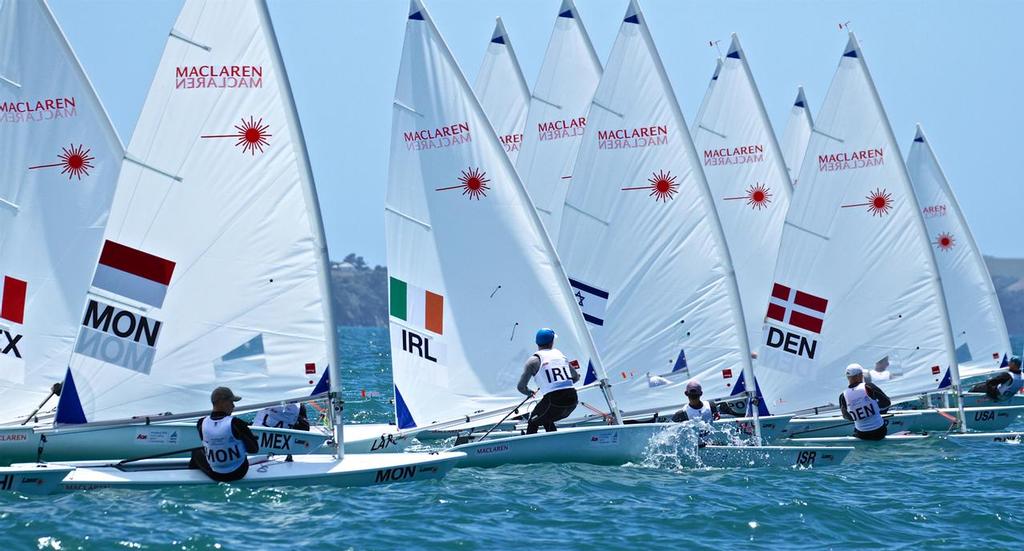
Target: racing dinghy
point(461, 331)
point(979, 330)
point(148, 333)
point(276, 338)
point(830, 304)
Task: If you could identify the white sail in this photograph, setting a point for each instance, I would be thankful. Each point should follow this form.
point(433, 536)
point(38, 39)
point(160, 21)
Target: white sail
point(213, 269)
point(979, 330)
point(707, 94)
point(558, 116)
point(855, 279)
point(472, 272)
point(748, 180)
point(796, 135)
point(641, 243)
point(502, 91)
point(60, 162)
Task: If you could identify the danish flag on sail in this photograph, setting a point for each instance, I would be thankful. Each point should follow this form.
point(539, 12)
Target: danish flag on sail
point(132, 273)
point(805, 310)
point(12, 300)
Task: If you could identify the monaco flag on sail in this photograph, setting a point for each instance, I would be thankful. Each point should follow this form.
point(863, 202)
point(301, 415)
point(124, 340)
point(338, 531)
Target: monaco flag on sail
point(133, 274)
point(12, 305)
point(805, 310)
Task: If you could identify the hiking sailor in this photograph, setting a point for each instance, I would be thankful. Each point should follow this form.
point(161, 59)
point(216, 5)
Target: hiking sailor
point(287, 416)
point(554, 376)
point(863, 403)
point(1002, 387)
point(226, 440)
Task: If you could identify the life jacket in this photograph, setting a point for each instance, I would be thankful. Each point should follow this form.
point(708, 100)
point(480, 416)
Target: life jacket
point(278, 416)
point(223, 451)
point(554, 373)
point(703, 413)
point(1013, 386)
point(866, 413)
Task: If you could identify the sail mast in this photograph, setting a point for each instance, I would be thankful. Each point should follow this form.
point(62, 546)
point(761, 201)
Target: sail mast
point(335, 402)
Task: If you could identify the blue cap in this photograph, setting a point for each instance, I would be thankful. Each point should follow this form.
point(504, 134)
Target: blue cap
point(1013, 360)
point(545, 336)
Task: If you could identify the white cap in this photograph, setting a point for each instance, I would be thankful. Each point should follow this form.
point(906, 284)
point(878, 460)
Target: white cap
point(853, 370)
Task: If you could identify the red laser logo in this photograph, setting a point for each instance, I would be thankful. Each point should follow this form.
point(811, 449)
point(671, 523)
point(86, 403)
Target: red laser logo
point(879, 203)
point(945, 241)
point(662, 186)
point(758, 196)
point(250, 135)
point(473, 184)
point(74, 160)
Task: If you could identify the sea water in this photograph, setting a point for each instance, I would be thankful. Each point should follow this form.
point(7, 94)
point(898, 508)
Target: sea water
point(929, 495)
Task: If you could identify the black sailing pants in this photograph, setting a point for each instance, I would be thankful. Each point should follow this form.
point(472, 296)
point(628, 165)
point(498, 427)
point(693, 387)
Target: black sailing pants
point(554, 406)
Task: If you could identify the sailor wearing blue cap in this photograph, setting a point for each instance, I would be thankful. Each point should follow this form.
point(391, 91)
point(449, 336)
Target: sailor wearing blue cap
point(554, 376)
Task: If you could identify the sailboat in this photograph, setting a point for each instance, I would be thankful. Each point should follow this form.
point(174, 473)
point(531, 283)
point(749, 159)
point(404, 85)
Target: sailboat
point(557, 116)
point(749, 184)
point(502, 91)
point(856, 280)
point(61, 157)
point(245, 299)
point(128, 394)
point(979, 330)
point(642, 245)
point(796, 135)
point(461, 330)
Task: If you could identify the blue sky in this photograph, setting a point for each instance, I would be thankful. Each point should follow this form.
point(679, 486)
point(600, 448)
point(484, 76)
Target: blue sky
point(948, 64)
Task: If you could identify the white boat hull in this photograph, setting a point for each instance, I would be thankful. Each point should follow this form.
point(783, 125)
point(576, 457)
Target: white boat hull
point(851, 440)
point(971, 399)
point(32, 478)
point(617, 445)
point(303, 470)
point(1006, 437)
point(916, 421)
point(87, 443)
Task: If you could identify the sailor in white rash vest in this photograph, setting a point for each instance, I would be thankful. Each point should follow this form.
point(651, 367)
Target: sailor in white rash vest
point(863, 403)
point(696, 409)
point(226, 440)
point(1002, 387)
point(554, 376)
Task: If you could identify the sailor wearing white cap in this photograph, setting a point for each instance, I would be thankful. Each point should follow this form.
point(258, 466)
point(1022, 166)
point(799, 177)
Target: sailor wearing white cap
point(863, 403)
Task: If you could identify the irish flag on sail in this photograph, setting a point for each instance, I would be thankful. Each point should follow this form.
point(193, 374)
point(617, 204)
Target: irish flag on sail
point(417, 306)
point(132, 273)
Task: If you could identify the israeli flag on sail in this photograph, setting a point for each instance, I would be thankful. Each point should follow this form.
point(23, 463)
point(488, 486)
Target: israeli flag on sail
point(592, 301)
